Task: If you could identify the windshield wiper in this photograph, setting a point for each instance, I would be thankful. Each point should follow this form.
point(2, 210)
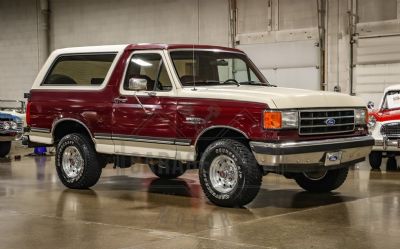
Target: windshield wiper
point(252, 82)
point(209, 82)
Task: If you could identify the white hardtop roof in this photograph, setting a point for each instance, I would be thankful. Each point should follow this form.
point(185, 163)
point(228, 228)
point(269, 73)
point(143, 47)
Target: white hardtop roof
point(91, 49)
point(393, 87)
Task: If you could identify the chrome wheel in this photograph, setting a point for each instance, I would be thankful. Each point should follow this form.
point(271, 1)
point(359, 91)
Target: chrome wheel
point(315, 176)
point(72, 162)
point(223, 174)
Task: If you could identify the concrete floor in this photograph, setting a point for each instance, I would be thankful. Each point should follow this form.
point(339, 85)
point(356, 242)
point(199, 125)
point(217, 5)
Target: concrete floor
point(130, 208)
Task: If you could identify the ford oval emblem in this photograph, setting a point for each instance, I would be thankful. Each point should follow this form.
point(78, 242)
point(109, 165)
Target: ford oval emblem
point(333, 158)
point(330, 122)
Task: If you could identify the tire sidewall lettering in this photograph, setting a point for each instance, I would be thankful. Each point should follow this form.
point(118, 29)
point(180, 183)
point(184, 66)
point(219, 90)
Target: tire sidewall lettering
point(216, 151)
point(59, 156)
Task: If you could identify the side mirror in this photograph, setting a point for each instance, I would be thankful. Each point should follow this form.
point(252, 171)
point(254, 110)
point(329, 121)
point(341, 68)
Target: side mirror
point(137, 84)
point(370, 105)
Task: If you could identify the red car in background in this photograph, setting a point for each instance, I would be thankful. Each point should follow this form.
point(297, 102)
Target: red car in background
point(384, 125)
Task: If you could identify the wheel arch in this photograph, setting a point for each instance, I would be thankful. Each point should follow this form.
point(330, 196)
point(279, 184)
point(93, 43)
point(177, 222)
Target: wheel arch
point(213, 133)
point(66, 126)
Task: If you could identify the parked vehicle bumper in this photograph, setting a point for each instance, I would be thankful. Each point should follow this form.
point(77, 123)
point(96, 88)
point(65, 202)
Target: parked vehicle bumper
point(311, 155)
point(387, 144)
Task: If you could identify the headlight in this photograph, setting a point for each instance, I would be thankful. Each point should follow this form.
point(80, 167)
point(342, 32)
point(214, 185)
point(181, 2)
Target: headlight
point(280, 119)
point(371, 121)
point(360, 116)
point(6, 126)
point(13, 125)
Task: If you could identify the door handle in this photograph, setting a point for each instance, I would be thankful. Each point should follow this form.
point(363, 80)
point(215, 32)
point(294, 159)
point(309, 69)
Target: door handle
point(152, 94)
point(120, 100)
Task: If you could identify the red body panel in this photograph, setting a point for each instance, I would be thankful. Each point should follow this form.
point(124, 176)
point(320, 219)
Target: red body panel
point(386, 115)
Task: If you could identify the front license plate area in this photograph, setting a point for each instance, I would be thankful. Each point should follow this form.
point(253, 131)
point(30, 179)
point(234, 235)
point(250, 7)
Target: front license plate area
point(333, 158)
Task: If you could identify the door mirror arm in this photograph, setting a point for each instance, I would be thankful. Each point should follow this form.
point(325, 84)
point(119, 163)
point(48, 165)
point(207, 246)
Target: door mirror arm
point(140, 103)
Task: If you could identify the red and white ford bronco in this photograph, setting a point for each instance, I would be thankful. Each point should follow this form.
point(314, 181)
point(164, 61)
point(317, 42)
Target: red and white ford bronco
point(180, 106)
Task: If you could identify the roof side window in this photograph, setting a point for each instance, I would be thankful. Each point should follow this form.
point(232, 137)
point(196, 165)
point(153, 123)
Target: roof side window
point(79, 70)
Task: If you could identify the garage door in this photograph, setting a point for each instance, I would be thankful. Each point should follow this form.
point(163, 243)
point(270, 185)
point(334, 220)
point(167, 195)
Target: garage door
point(377, 61)
point(287, 64)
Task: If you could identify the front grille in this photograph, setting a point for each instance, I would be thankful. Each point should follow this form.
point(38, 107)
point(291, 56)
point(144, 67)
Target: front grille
point(326, 122)
point(391, 129)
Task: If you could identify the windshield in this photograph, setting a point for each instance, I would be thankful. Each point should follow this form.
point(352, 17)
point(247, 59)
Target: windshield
point(204, 68)
point(391, 100)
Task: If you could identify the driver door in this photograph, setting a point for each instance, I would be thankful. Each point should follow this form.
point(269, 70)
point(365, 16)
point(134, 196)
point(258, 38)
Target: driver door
point(144, 119)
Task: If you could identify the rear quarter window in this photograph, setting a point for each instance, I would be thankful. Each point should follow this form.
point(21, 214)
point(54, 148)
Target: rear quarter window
point(79, 70)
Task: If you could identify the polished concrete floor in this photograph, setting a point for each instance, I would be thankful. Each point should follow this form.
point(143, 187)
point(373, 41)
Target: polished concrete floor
point(130, 208)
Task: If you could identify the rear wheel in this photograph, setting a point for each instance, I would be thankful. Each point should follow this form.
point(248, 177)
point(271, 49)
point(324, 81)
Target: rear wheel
point(77, 163)
point(375, 159)
point(229, 173)
point(5, 148)
point(322, 181)
point(168, 169)
point(391, 164)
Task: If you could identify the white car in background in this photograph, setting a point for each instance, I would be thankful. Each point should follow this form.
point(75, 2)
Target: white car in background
point(384, 125)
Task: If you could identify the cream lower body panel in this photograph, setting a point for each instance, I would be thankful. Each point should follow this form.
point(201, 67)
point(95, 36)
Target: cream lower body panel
point(41, 137)
point(146, 149)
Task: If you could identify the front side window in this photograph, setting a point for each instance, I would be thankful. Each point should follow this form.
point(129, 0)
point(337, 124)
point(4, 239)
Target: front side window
point(214, 68)
point(80, 70)
point(151, 68)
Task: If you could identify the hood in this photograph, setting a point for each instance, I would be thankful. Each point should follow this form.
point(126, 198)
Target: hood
point(386, 115)
point(277, 97)
point(8, 116)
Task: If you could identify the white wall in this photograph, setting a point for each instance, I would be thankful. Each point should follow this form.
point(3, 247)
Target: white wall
point(18, 47)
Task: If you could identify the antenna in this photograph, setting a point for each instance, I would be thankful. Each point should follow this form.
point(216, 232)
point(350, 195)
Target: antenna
point(193, 70)
point(198, 42)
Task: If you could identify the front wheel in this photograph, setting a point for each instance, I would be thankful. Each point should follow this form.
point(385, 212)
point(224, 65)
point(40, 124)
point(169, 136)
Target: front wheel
point(229, 173)
point(375, 159)
point(77, 163)
point(5, 148)
point(322, 181)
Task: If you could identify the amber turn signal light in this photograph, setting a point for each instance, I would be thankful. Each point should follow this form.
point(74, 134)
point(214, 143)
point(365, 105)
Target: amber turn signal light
point(272, 120)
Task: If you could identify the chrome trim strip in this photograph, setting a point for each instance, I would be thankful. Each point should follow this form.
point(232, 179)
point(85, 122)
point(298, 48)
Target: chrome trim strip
point(311, 126)
point(311, 143)
point(145, 139)
point(41, 130)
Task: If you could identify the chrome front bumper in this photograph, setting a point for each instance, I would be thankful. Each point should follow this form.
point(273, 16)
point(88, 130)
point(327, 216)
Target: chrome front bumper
point(310, 155)
point(386, 144)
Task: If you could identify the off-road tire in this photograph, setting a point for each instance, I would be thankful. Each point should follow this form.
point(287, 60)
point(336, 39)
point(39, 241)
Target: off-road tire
point(391, 164)
point(168, 169)
point(249, 173)
point(5, 148)
point(375, 159)
point(331, 181)
point(91, 165)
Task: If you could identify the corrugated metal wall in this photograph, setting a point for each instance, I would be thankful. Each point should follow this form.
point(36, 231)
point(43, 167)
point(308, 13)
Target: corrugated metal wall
point(376, 62)
point(285, 49)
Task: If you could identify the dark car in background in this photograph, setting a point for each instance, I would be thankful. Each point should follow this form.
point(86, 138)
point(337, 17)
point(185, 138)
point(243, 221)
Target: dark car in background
point(12, 116)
